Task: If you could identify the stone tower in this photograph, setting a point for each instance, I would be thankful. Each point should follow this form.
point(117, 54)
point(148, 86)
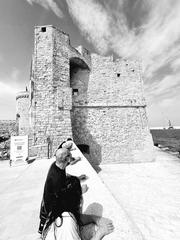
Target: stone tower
point(96, 100)
point(22, 112)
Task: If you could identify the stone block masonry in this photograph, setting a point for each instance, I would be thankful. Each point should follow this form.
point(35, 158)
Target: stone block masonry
point(22, 112)
point(96, 100)
point(109, 111)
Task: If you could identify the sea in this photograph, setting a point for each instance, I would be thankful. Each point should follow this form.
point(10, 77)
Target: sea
point(167, 139)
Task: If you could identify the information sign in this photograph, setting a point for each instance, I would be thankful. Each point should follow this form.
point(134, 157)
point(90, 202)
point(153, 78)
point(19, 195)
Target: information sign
point(19, 148)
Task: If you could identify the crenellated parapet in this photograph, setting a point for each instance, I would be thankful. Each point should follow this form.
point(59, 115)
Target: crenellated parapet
point(22, 95)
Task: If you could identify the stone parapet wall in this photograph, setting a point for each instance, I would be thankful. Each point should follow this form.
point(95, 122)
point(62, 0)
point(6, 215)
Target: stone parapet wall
point(99, 201)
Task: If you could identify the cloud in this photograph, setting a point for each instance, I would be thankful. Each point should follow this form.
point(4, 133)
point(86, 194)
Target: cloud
point(166, 88)
point(10, 84)
point(168, 84)
point(93, 22)
point(141, 29)
point(154, 40)
point(6, 89)
point(48, 4)
point(9, 87)
point(175, 64)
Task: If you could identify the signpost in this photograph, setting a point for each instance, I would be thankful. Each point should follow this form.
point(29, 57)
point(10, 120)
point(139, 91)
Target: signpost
point(19, 149)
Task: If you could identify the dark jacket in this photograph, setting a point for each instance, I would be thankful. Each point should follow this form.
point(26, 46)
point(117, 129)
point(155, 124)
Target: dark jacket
point(54, 190)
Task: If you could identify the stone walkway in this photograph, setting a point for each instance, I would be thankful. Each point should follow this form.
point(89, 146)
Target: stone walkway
point(21, 189)
point(149, 193)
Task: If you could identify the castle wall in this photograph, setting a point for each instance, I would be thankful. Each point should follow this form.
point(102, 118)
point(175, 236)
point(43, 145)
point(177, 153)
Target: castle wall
point(97, 100)
point(48, 120)
point(109, 111)
point(52, 100)
point(114, 135)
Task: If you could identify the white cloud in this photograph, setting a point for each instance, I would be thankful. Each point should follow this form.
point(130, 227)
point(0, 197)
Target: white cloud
point(159, 94)
point(92, 20)
point(7, 89)
point(168, 84)
point(48, 4)
point(175, 64)
point(163, 100)
point(10, 85)
point(155, 41)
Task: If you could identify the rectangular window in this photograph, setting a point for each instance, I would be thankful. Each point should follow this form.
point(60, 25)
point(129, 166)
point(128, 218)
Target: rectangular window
point(43, 29)
point(75, 92)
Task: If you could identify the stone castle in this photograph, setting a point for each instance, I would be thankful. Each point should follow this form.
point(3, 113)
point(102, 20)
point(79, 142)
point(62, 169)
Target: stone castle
point(96, 100)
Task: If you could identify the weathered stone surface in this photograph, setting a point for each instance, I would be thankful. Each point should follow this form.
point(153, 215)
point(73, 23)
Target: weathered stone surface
point(22, 112)
point(96, 100)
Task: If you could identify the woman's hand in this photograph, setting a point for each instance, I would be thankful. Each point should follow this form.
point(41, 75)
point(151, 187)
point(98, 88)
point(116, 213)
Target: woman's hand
point(84, 188)
point(83, 177)
point(74, 160)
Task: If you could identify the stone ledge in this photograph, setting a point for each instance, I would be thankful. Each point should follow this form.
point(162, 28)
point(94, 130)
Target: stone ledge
point(98, 200)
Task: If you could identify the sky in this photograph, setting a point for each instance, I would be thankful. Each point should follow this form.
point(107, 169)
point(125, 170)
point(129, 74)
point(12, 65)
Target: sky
point(147, 30)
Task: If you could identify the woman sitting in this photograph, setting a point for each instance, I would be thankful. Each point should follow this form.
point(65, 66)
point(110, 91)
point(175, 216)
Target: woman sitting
point(68, 223)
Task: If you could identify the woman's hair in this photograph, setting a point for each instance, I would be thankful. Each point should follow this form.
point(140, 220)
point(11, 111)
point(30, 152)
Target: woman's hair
point(69, 201)
point(67, 142)
point(73, 197)
point(60, 146)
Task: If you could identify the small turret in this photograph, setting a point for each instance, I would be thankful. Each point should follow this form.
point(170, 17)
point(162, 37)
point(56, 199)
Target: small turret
point(22, 112)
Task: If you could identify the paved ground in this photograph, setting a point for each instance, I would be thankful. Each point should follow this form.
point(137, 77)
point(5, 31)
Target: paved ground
point(149, 193)
point(21, 190)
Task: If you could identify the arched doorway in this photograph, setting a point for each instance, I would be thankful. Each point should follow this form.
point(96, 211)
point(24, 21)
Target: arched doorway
point(79, 79)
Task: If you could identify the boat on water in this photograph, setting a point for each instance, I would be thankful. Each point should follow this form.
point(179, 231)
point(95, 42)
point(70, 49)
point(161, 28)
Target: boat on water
point(170, 126)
